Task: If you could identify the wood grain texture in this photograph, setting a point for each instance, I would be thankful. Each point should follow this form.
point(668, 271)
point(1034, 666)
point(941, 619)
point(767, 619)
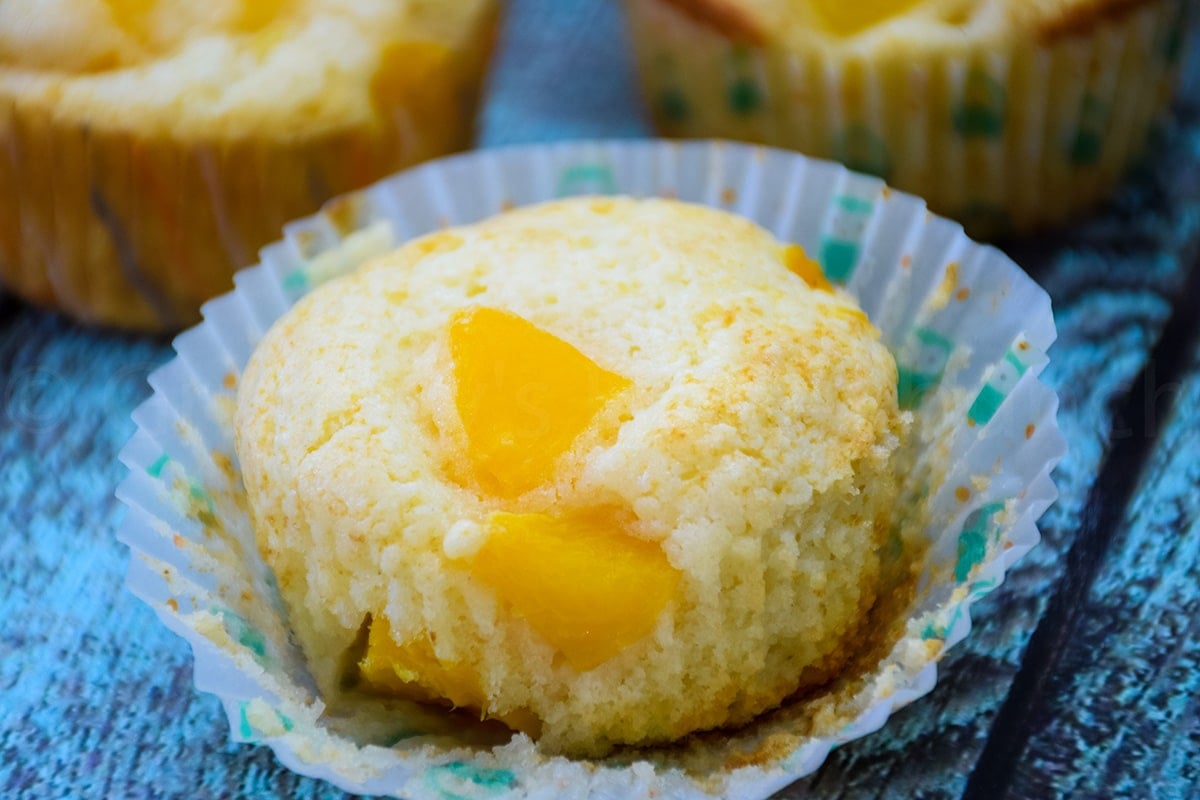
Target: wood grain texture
point(96, 697)
point(1123, 715)
point(1112, 280)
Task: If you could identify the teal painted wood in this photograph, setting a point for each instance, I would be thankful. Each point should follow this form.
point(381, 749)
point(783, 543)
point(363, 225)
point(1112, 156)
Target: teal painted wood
point(96, 697)
point(563, 71)
point(1123, 717)
point(1111, 279)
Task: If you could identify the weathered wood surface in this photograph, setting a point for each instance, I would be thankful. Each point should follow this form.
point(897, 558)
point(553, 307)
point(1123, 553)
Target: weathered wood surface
point(96, 698)
point(1115, 281)
point(1118, 715)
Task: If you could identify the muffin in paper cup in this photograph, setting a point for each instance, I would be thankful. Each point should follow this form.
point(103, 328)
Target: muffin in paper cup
point(1006, 115)
point(147, 151)
point(969, 332)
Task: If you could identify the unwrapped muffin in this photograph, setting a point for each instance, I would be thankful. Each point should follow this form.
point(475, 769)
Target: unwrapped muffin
point(610, 471)
point(1006, 115)
point(149, 147)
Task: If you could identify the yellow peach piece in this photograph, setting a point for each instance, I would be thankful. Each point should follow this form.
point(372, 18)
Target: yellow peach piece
point(848, 18)
point(258, 14)
point(523, 396)
point(585, 585)
point(413, 671)
point(796, 260)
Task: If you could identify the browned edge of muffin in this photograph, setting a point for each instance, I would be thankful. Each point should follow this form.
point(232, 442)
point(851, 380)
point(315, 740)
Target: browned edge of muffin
point(725, 16)
point(738, 24)
point(1082, 17)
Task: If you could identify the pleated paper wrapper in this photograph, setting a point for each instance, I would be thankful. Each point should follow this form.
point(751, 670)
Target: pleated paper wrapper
point(1003, 136)
point(969, 331)
point(135, 228)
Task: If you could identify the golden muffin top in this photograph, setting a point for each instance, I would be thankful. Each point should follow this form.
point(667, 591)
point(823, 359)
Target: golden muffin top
point(684, 313)
point(880, 22)
point(225, 67)
point(576, 442)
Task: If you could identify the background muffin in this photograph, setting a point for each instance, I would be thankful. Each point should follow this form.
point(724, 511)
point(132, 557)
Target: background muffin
point(149, 147)
point(1004, 114)
point(608, 470)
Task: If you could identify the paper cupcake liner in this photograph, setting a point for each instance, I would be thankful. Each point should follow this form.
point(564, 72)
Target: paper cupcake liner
point(969, 331)
point(136, 231)
point(1003, 138)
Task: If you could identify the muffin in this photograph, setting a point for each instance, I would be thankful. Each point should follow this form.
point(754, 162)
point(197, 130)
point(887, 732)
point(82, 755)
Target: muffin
point(148, 149)
point(1007, 115)
point(609, 471)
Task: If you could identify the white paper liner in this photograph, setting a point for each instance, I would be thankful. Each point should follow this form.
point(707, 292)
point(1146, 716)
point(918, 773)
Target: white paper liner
point(969, 330)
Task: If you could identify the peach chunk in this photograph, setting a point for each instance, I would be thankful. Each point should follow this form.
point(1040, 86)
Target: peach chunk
point(795, 259)
point(404, 70)
point(583, 583)
point(258, 14)
point(413, 671)
point(523, 396)
point(125, 10)
point(132, 16)
point(250, 16)
point(848, 18)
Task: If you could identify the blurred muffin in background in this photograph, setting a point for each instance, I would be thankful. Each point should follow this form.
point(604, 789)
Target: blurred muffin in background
point(148, 148)
point(1007, 115)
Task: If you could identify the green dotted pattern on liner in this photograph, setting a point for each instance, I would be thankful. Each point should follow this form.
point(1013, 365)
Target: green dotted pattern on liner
point(244, 634)
point(460, 780)
point(672, 101)
point(979, 116)
point(981, 112)
point(585, 178)
point(980, 534)
point(673, 104)
point(248, 732)
point(862, 149)
point(322, 260)
point(200, 504)
point(296, 282)
point(745, 93)
point(1087, 147)
point(920, 365)
point(156, 468)
point(983, 108)
point(1001, 380)
point(841, 245)
point(980, 531)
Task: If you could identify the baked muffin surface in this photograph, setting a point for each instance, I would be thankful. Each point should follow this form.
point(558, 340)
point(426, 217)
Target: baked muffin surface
point(293, 69)
point(872, 23)
point(1007, 116)
point(149, 148)
point(694, 465)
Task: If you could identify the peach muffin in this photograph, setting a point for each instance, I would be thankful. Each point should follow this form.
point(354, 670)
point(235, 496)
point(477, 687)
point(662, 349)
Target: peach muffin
point(1006, 115)
point(608, 470)
point(148, 148)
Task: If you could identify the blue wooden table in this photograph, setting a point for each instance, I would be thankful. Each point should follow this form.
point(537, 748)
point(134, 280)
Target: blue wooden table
point(1080, 679)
